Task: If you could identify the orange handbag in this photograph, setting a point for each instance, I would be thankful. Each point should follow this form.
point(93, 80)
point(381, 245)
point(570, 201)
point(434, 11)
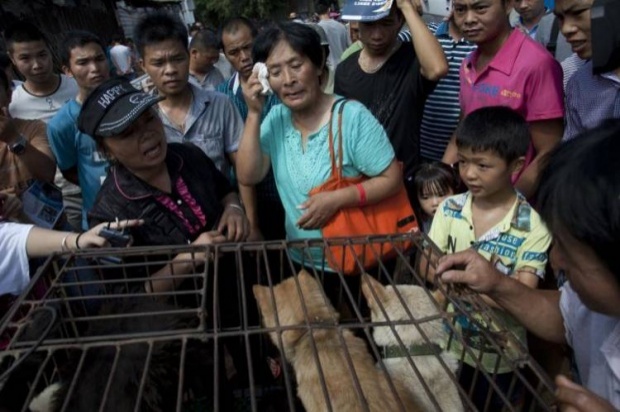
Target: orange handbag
point(393, 215)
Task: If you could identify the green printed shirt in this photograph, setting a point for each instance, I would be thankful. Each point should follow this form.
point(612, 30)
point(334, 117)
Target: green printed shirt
point(520, 241)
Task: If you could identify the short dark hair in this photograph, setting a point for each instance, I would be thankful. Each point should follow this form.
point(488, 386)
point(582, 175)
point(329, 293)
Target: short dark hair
point(73, 39)
point(579, 189)
point(118, 38)
point(5, 84)
point(234, 24)
point(321, 7)
point(5, 61)
point(496, 128)
point(433, 177)
point(22, 32)
point(158, 27)
point(204, 40)
point(302, 38)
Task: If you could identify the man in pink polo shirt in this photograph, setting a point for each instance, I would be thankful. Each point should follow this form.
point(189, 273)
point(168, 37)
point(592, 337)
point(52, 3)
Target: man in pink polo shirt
point(510, 69)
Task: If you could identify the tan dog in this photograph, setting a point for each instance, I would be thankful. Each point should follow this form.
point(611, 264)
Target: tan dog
point(436, 377)
point(299, 351)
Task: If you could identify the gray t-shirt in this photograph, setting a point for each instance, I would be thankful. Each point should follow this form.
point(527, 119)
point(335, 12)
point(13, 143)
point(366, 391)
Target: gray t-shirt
point(213, 124)
point(543, 36)
point(337, 38)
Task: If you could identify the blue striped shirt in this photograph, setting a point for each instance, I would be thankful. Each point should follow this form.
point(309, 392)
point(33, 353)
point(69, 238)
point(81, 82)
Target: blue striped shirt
point(442, 109)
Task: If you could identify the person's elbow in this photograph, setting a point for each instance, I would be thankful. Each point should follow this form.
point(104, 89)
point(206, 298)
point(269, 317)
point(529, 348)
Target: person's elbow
point(436, 71)
point(393, 179)
point(248, 175)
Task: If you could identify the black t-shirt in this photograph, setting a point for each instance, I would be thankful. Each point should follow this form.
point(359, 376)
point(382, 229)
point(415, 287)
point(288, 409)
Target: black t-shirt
point(395, 95)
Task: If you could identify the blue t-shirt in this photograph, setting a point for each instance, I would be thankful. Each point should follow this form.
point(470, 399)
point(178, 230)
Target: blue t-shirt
point(367, 151)
point(73, 148)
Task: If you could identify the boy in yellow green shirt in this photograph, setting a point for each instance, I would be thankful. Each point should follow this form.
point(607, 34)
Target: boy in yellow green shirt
point(495, 220)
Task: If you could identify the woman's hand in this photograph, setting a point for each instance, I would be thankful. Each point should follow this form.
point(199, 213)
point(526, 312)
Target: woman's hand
point(575, 398)
point(10, 207)
point(252, 94)
point(92, 238)
point(319, 209)
point(234, 223)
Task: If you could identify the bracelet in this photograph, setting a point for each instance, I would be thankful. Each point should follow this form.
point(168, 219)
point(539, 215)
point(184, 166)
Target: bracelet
point(236, 206)
point(77, 241)
point(63, 244)
point(362, 193)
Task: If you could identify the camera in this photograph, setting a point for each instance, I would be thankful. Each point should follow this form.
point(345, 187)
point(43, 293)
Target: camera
point(116, 238)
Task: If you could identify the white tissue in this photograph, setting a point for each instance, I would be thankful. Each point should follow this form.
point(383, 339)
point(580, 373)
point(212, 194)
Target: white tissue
point(263, 77)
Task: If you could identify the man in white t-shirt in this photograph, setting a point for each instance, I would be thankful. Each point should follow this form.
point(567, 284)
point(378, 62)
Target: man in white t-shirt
point(122, 58)
point(41, 95)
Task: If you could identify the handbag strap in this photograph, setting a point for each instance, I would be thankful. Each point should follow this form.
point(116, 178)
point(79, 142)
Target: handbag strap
point(336, 167)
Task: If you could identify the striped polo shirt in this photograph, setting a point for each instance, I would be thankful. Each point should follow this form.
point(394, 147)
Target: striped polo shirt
point(442, 109)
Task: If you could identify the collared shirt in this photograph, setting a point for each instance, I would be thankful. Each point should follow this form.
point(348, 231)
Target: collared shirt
point(522, 75)
point(590, 99)
point(366, 150)
point(265, 190)
point(531, 32)
point(210, 80)
point(595, 340)
point(212, 123)
point(518, 242)
point(73, 148)
point(442, 108)
point(232, 89)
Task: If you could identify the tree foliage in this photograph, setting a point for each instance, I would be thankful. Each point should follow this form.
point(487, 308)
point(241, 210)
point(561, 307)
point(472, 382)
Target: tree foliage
point(216, 11)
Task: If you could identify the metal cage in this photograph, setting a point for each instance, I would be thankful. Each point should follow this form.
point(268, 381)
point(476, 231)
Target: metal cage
point(86, 335)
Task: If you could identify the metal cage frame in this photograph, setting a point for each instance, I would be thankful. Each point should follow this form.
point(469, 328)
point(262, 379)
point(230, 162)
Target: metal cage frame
point(52, 322)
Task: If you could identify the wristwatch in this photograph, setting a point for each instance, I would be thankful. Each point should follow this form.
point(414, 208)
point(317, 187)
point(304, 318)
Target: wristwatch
point(19, 147)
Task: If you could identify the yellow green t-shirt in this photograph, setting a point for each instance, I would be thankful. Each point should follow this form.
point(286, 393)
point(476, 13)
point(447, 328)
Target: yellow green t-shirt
point(519, 241)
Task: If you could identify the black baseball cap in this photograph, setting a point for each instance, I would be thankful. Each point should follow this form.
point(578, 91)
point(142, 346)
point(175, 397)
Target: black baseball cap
point(112, 107)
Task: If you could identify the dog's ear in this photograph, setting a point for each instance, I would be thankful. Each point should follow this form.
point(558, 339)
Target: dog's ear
point(306, 278)
point(373, 290)
point(262, 295)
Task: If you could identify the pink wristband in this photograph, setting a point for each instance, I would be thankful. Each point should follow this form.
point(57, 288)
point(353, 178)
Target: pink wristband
point(362, 193)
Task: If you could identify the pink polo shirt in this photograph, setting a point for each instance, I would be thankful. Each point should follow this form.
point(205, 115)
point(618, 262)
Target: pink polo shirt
point(522, 75)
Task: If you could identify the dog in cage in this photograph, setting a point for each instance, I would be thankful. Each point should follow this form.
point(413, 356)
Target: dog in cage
point(119, 375)
point(386, 305)
point(320, 353)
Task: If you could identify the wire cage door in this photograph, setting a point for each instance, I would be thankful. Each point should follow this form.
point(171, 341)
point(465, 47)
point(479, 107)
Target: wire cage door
point(260, 327)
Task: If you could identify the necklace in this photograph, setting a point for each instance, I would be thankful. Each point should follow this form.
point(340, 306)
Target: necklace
point(363, 60)
point(178, 125)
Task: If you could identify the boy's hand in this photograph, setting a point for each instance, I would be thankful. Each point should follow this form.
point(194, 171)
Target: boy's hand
point(470, 268)
point(575, 398)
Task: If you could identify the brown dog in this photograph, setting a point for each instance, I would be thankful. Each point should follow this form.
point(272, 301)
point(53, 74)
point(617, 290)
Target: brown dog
point(332, 347)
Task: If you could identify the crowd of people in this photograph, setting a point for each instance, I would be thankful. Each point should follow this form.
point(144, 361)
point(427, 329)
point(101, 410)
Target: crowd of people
point(494, 120)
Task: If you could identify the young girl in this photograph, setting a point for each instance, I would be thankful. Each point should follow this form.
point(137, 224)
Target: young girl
point(433, 182)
